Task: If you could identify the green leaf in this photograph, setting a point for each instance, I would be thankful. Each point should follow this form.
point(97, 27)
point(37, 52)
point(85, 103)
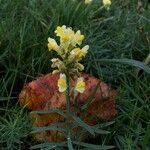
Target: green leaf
point(69, 142)
point(54, 127)
point(83, 124)
point(125, 61)
point(93, 147)
point(106, 124)
point(99, 131)
point(59, 111)
point(48, 145)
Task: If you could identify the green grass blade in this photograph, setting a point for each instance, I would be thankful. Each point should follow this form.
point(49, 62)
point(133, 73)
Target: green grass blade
point(146, 137)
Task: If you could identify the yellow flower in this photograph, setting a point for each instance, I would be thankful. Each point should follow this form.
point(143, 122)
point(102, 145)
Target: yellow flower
point(80, 86)
point(62, 85)
point(60, 30)
point(68, 36)
point(88, 1)
point(57, 63)
point(52, 45)
point(78, 53)
point(64, 33)
point(107, 3)
point(69, 51)
point(78, 38)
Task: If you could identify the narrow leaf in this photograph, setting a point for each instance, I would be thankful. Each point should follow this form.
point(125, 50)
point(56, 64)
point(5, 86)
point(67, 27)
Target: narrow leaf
point(106, 124)
point(125, 61)
point(100, 131)
point(61, 112)
point(83, 124)
point(94, 147)
point(70, 146)
point(49, 145)
point(54, 127)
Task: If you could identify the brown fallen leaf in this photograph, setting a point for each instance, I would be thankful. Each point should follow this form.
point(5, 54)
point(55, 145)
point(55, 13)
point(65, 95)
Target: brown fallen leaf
point(43, 94)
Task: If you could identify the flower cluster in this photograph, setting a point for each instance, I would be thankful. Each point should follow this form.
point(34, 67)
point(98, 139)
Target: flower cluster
point(70, 54)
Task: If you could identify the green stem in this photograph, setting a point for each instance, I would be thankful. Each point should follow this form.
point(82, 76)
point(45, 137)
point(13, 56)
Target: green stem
point(68, 93)
point(68, 109)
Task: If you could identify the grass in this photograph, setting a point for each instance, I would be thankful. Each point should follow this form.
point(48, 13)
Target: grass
point(24, 29)
point(14, 129)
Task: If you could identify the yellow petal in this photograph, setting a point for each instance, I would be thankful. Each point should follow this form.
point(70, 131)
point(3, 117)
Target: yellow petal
point(80, 86)
point(84, 50)
point(62, 85)
point(78, 38)
point(60, 30)
point(52, 45)
point(76, 53)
